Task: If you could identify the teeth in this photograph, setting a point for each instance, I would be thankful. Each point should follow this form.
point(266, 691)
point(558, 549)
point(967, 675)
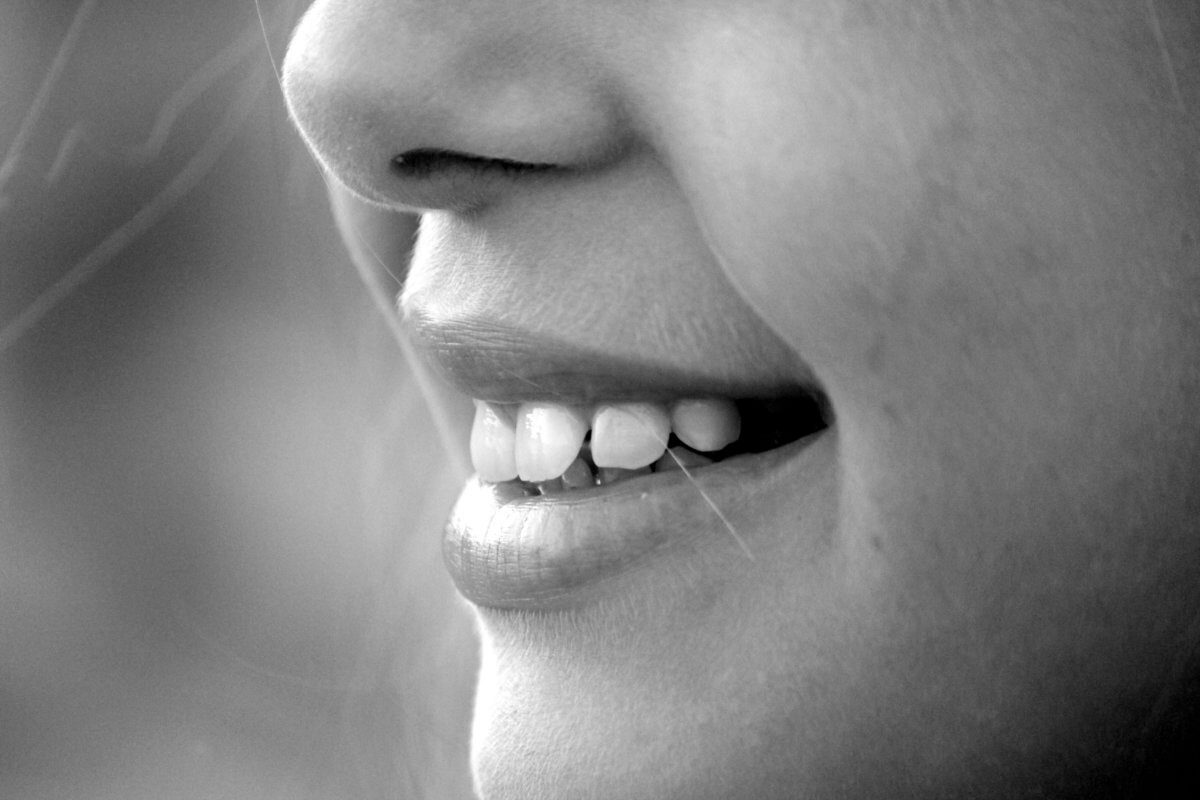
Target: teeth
point(493, 442)
point(543, 443)
point(706, 425)
point(629, 435)
point(548, 439)
point(613, 474)
point(578, 475)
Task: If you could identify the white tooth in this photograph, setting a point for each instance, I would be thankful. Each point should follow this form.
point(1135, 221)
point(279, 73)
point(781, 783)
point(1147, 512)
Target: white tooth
point(707, 425)
point(493, 439)
point(679, 457)
point(629, 435)
point(549, 436)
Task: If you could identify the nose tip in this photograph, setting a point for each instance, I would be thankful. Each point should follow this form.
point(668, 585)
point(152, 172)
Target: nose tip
point(369, 83)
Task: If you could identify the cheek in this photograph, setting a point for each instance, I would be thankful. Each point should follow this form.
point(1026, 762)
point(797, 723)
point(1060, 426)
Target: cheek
point(804, 196)
point(938, 265)
point(1010, 375)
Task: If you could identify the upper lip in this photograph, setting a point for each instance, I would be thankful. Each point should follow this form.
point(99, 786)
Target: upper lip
point(490, 361)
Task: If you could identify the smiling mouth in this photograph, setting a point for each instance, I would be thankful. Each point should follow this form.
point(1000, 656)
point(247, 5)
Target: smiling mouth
point(569, 497)
point(599, 468)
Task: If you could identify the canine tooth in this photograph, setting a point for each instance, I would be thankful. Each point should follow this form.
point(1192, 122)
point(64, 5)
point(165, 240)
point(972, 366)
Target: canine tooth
point(607, 475)
point(707, 425)
point(548, 439)
point(493, 439)
point(629, 435)
point(676, 457)
point(578, 475)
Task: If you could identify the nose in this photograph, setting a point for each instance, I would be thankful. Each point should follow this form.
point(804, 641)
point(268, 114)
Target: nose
point(437, 104)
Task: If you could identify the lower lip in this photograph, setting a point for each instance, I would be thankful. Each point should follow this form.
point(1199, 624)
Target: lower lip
point(506, 550)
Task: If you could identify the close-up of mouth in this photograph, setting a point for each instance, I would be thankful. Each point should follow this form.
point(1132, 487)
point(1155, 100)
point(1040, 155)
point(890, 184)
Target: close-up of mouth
point(568, 495)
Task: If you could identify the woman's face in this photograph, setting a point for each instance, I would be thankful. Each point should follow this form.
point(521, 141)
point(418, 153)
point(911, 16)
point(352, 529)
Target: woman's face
point(970, 229)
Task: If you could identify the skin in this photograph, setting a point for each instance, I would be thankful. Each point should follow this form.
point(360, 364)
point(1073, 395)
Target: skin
point(975, 226)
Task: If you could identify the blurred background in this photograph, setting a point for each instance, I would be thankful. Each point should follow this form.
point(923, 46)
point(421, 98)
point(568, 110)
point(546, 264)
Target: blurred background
point(220, 494)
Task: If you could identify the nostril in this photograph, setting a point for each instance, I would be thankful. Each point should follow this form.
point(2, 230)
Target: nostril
point(430, 162)
point(422, 106)
point(433, 178)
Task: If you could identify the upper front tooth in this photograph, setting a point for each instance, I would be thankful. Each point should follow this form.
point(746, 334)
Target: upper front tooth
point(706, 425)
point(493, 438)
point(629, 435)
point(548, 439)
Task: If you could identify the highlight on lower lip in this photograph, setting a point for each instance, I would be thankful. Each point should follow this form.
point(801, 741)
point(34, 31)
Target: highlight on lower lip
point(506, 550)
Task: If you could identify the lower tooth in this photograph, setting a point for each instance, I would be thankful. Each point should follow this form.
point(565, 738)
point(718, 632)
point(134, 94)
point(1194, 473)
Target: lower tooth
point(679, 458)
point(578, 475)
point(551, 487)
point(614, 474)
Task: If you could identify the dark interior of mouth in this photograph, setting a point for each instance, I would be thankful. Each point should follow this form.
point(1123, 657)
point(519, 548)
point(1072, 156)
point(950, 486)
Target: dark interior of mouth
point(768, 424)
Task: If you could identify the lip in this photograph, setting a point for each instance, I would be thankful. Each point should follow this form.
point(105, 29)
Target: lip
point(505, 550)
point(506, 364)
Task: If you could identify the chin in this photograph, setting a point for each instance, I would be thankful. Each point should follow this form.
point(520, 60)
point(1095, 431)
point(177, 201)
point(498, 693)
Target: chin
point(541, 732)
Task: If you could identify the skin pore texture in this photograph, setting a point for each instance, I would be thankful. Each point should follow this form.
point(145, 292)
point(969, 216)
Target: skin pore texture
point(975, 225)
